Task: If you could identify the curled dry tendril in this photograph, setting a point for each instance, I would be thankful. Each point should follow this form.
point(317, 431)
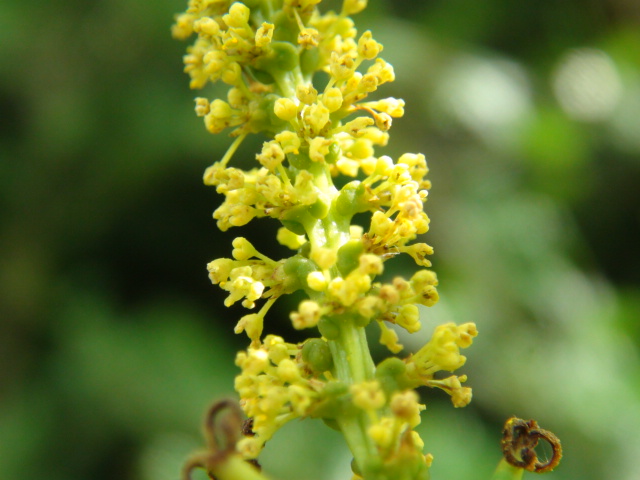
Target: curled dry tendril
point(223, 427)
point(519, 440)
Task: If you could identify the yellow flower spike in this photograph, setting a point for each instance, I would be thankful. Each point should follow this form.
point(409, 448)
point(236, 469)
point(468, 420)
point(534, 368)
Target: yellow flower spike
point(252, 47)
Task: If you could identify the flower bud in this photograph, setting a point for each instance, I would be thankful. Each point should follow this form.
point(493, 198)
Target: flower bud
point(317, 355)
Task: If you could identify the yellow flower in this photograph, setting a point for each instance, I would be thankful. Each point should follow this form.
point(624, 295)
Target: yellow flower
point(368, 396)
point(307, 316)
point(443, 350)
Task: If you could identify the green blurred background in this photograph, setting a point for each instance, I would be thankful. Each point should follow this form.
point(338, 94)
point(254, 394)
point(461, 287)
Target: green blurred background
point(112, 339)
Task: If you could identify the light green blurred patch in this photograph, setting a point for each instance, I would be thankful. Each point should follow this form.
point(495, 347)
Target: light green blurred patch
point(305, 449)
point(148, 370)
point(461, 445)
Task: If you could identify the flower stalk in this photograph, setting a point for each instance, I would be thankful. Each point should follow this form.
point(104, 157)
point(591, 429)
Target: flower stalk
point(303, 79)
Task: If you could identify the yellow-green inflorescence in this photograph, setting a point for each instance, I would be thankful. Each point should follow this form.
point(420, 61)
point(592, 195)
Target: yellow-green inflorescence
point(303, 79)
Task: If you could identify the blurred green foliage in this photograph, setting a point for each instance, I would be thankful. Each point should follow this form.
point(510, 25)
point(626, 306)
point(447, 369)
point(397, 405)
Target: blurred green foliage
point(113, 341)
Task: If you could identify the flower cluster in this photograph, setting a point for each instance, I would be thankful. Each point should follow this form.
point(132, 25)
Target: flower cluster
point(320, 127)
point(275, 389)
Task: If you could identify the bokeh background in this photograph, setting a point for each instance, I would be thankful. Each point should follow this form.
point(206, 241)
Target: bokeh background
point(113, 341)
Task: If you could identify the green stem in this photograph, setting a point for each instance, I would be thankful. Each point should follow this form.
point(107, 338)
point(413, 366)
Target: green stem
point(506, 471)
point(286, 82)
point(350, 350)
point(232, 149)
point(351, 355)
point(235, 468)
point(353, 364)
